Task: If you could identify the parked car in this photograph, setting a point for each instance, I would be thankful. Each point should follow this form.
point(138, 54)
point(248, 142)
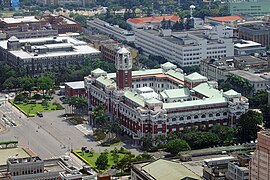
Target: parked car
point(39, 114)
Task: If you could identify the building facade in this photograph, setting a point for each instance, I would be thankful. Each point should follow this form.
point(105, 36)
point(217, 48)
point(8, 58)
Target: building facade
point(250, 7)
point(39, 55)
point(260, 162)
point(185, 49)
point(159, 101)
point(74, 88)
point(114, 31)
point(255, 32)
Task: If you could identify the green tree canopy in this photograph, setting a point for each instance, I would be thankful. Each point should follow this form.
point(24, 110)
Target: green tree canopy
point(45, 83)
point(248, 125)
point(177, 145)
point(102, 161)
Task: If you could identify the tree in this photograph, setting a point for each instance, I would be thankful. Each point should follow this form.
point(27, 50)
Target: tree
point(177, 145)
point(10, 83)
point(248, 125)
point(258, 99)
point(27, 83)
point(102, 162)
point(45, 83)
point(116, 126)
point(266, 115)
point(226, 134)
point(98, 115)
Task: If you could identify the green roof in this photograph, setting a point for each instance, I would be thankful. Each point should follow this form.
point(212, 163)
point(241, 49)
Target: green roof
point(231, 93)
point(98, 70)
point(168, 65)
point(175, 74)
point(195, 77)
point(106, 81)
point(133, 96)
point(207, 91)
point(153, 101)
point(175, 93)
point(201, 102)
point(164, 169)
point(140, 72)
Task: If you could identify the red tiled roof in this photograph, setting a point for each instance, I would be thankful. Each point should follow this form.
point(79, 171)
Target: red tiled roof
point(226, 18)
point(145, 20)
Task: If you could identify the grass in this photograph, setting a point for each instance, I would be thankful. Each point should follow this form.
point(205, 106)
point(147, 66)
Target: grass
point(34, 108)
point(90, 160)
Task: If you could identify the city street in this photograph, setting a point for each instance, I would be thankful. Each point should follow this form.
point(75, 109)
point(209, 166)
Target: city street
point(48, 136)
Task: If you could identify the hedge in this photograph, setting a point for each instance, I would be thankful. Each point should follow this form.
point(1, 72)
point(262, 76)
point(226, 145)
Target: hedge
point(28, 115)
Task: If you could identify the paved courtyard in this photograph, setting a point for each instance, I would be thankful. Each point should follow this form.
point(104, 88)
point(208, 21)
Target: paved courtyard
point(11, 152)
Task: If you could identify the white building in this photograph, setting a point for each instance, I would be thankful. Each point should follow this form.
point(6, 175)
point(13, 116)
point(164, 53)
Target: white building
point(245, 47)
point(113, 30)
point(38, 55)
point(185, 48)
point(236, 172)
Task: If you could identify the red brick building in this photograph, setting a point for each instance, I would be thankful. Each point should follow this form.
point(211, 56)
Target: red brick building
point(75, 88)
point(63, 24)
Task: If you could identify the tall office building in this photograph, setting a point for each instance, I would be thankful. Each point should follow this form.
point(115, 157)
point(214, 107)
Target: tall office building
point(250, 7)
point(260, 162)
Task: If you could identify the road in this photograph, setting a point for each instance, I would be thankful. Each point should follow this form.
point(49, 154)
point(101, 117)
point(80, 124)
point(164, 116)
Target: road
point(48, 136)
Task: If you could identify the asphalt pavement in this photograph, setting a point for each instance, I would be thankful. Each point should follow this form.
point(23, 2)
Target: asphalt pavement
point(48, 136)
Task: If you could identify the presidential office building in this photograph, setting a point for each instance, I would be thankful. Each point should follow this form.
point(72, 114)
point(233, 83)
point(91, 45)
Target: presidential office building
point(39, 55)
point(158, 101)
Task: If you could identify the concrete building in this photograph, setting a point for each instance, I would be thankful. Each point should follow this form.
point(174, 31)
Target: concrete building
point(245, 47)
point(39, 55)
point(109, 51)
point(219, 69)
point(239, 170)
point(74, 88)
point(26, 27)
point(112, 30)
point(185, 48)
point(250, 7)
point(33, 168)
point(216, 168)
point(161, 169)
point(231, 21)
point(259, 82)
point(159, 101)
point(255, 32)
point(259, 164)
point(153, 21)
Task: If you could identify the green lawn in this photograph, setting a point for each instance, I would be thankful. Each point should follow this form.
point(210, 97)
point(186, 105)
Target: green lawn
point(91, 160)
point(34, 108)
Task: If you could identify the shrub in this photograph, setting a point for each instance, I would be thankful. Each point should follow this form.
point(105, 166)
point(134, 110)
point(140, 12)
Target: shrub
point(37, 96)
point(44, 103)
point(59, 106)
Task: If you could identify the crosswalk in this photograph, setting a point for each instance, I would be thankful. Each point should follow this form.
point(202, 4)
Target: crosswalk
point(85, 129)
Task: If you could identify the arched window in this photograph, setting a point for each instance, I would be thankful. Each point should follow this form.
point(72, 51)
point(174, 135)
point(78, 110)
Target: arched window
point(173, 119)
point(196, 117)
point(217, 114)
point(210, 115)
point(225, 114)
point(181, 118)
point(188, 118)
point(203, 116)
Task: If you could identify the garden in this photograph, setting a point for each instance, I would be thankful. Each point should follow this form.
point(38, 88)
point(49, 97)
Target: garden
point(101, 161)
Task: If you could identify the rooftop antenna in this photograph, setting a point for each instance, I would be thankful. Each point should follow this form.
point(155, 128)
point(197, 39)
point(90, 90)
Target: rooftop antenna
point(192, 7)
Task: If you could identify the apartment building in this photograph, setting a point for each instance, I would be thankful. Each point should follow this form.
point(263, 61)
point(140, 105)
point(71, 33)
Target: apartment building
point(112, 30)
point(152, 102)
point(185, 48)
point(39, 55)
point(259, 164)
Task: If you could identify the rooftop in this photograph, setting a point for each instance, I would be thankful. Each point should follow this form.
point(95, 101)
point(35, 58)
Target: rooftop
point(208, 91)
point(196, 77)
point(248, 76)
point(246, 43)
point(226, 18)
point(165, 169)
point(78, 47)
point(75, 85)
point(147, 20)
point(19, 19)
point(175, 93)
